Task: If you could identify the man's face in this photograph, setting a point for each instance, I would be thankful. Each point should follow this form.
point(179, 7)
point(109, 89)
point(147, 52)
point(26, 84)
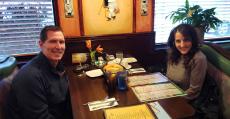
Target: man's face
point(54, 46)
point(183, 45)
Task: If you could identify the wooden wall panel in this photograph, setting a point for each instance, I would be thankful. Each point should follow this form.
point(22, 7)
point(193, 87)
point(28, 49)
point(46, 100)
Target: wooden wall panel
point(70, 26)
point(95, 21)
point(139, 45)
point(144, 23)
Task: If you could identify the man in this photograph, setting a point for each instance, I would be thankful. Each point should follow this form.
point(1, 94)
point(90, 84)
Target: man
point(40, 89)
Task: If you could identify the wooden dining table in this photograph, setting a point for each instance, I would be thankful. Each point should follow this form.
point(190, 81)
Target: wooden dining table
point(85, 89)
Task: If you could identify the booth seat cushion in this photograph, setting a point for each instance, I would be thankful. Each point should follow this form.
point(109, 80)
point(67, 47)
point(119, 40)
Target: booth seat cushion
point(5, 88)
point(223, 82)
point(226, 98)
point(219, 70)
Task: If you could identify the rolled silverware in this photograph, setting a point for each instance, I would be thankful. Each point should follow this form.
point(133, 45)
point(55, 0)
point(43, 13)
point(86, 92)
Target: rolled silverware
point(100, 102)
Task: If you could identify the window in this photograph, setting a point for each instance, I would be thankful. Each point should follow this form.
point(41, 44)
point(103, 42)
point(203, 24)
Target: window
point(163, 26)
point(20, 24)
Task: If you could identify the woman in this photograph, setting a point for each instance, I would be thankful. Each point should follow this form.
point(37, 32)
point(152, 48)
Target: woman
point(186, 64)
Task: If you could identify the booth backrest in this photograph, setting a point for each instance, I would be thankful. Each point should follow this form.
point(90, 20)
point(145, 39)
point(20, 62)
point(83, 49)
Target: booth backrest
point(138, 45)
point(219, 60)
point(8, 70)
point(219, 70)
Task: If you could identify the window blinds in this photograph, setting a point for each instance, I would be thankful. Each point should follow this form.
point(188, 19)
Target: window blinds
point(20, 24)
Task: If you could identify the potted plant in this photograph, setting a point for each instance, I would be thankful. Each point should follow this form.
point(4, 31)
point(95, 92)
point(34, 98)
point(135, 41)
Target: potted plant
point(202, 20)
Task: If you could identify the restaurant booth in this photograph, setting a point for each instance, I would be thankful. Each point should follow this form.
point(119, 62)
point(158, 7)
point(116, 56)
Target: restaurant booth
point(130, 31)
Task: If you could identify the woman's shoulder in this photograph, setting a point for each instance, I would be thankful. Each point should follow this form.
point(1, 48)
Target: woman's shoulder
point(199, 55)
point(199, 58)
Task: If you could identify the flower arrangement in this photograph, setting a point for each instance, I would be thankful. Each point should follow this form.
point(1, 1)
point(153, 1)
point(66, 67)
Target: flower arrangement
point(98, 49)
point(196, 16)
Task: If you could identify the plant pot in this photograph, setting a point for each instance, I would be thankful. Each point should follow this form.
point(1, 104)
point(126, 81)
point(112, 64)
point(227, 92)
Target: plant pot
point(200, 34)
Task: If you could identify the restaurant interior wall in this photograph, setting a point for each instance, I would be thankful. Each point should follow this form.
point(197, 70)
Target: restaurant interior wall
point(86, 18)
point(73, 27)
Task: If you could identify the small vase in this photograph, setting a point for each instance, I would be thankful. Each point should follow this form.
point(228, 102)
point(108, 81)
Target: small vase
point(92, 57)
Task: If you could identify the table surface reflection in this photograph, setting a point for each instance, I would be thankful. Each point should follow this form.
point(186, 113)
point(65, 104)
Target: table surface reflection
point(85, 89)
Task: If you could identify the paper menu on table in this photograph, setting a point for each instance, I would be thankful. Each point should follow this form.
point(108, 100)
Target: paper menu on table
point(140, 111)
point(146, 79)
point(153, 92)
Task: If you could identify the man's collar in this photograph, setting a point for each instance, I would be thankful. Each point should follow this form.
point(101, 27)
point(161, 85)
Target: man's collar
point(44, 60)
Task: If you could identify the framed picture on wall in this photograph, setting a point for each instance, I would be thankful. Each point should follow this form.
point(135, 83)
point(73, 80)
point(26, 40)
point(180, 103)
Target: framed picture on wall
point(68, 4)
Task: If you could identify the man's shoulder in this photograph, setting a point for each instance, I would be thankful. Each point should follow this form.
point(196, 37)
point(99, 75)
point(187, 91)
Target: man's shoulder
point(31, 67)
point(27, 72)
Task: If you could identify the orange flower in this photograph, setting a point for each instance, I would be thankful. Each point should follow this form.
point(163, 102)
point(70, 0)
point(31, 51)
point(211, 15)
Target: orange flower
point(99, 49)
point(88, 44)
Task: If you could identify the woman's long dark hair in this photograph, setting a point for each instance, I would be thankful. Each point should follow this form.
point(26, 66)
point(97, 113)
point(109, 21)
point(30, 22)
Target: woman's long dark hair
point(189, 33)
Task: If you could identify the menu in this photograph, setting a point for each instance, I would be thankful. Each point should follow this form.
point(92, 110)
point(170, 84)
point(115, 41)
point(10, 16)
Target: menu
point(157, 91)
point(140, 111)
point(146, 79)
point(154, 86)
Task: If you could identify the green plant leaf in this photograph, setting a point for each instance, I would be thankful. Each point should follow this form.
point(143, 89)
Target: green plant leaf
point(196, 16)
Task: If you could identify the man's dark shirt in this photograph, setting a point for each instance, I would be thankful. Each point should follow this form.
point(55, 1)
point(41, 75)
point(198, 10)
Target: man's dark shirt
point(39, 91)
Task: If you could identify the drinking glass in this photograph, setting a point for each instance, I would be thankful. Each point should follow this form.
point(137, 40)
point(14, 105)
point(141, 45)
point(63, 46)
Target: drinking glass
point(79, 58)
point(119, 54)
point(110, 79)
point(122, 80)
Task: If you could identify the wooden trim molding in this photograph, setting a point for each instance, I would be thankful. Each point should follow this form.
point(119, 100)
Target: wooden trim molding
point(153, 13)
point(134, 16)
point(56, 12)
point(81, 18)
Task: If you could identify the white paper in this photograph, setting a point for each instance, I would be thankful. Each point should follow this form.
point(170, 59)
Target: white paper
point(159, 111)
point(136, 70)
point(94, 73)
point(101, 104)
point(129, 60)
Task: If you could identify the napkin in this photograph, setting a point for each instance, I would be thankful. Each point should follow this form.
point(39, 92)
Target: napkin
point(101, 104)
point(129, 60)
point(136, 70)
point(115, 61)
point(159, 110)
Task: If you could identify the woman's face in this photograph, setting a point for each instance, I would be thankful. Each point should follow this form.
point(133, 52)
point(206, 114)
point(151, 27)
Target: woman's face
point(183, 45)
